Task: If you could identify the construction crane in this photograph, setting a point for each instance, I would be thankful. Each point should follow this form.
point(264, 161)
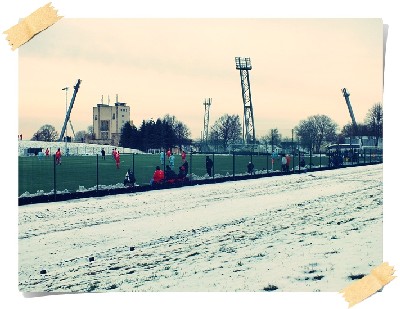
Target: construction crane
point(244, 66)
point(353, 119)
point(68, 114)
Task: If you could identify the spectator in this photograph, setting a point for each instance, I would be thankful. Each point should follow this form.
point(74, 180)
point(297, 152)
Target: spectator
point(250, 167)
point(103, 154)
point(170, 175)
point(287, 162)
point(183, 156)
point(283, 163)
point(58, 157)
point(129, 178)
point(47, 152)
point(183, 170)
point(209, 165)
point(158, 176)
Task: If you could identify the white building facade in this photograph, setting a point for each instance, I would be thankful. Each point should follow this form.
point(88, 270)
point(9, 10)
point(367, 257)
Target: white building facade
point(108, 121)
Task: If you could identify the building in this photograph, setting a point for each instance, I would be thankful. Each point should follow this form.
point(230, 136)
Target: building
point(108, 121)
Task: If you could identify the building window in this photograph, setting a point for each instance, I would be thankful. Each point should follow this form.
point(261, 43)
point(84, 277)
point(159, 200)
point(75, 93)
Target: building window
point(122, 115)
point(113, 116)
point(95, 117)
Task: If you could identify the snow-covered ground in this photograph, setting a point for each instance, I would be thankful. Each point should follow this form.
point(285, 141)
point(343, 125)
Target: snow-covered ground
point(305, 232)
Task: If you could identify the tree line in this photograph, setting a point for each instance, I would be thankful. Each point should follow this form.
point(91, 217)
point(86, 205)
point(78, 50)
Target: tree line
point(167, 132)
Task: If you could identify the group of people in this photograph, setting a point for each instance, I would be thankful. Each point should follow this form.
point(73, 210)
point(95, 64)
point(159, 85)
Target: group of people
point(159, 177)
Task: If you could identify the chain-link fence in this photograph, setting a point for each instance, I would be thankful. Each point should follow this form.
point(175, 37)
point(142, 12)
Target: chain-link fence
point(41, 175)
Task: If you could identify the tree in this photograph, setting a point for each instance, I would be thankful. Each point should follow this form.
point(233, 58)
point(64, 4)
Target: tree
point(80, 136)
point(273, 138)
point(374, 121)
point(227, 129)
point(180, 130)
point(315, 130)
point(46, 133)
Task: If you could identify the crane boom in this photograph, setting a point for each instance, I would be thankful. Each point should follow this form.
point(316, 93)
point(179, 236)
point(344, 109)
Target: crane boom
point(71, 104)
point(353, 119)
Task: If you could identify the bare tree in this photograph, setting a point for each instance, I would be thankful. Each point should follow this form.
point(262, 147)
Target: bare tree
point(227, 129)
point(315, 130)
point(374, 121)
point(46, 133)
point(273, 138)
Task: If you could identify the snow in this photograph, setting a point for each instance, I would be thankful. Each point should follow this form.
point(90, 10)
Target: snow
point(300, 233)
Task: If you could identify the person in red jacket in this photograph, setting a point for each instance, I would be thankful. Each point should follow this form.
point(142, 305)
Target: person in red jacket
point(158, 176)
point(58, 157)
point(287, 163)
point(117, 158)
point(183, 156)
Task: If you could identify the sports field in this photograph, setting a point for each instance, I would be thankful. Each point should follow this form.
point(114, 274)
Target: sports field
point(40, 173)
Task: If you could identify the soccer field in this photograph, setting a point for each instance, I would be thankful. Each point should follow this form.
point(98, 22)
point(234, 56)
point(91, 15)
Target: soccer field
point(40, 173)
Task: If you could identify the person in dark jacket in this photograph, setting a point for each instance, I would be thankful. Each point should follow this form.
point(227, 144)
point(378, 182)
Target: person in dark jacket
point(250, 167)
point(209, 165)
point(183, 170)
point(170, 175)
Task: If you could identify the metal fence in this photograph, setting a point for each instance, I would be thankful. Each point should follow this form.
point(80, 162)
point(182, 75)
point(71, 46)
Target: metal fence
point(40, 175)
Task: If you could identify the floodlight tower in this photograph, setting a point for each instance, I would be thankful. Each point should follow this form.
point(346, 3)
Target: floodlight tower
point(353, 119)
point(244, 66)
point(207, 103)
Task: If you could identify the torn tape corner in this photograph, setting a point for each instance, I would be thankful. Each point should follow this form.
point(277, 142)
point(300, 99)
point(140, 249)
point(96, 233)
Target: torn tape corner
point(368, 285)
point(31, 25)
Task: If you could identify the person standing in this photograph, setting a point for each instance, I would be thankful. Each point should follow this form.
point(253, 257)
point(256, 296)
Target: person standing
point(209, 165)
point(168, 153)
point(103, 154)
point(283, 168)
point(287, 162)
point(117, 158)
point(162, 157)
point(183, 156)
point(58, 157)
point(172, 160)
point(47, 152)
point(250, 167)
point(113, 153)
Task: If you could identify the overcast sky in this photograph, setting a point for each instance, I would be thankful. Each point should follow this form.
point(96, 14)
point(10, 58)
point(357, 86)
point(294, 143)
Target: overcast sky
point(170, 66)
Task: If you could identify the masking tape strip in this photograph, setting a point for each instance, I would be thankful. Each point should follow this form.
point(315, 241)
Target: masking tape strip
point(368, 285)
point(30, 26)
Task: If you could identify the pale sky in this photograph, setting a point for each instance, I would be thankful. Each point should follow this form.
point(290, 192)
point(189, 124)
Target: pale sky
point(170, 66)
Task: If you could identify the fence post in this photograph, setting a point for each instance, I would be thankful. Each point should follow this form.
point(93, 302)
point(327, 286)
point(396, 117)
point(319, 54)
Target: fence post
point(233, 152)
point(213, 165)
point(54, 177)
point(310, 159)
point(299, 161)
point(97, 172)
point(320, 159)
point(190, 167)
point(133, 163)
